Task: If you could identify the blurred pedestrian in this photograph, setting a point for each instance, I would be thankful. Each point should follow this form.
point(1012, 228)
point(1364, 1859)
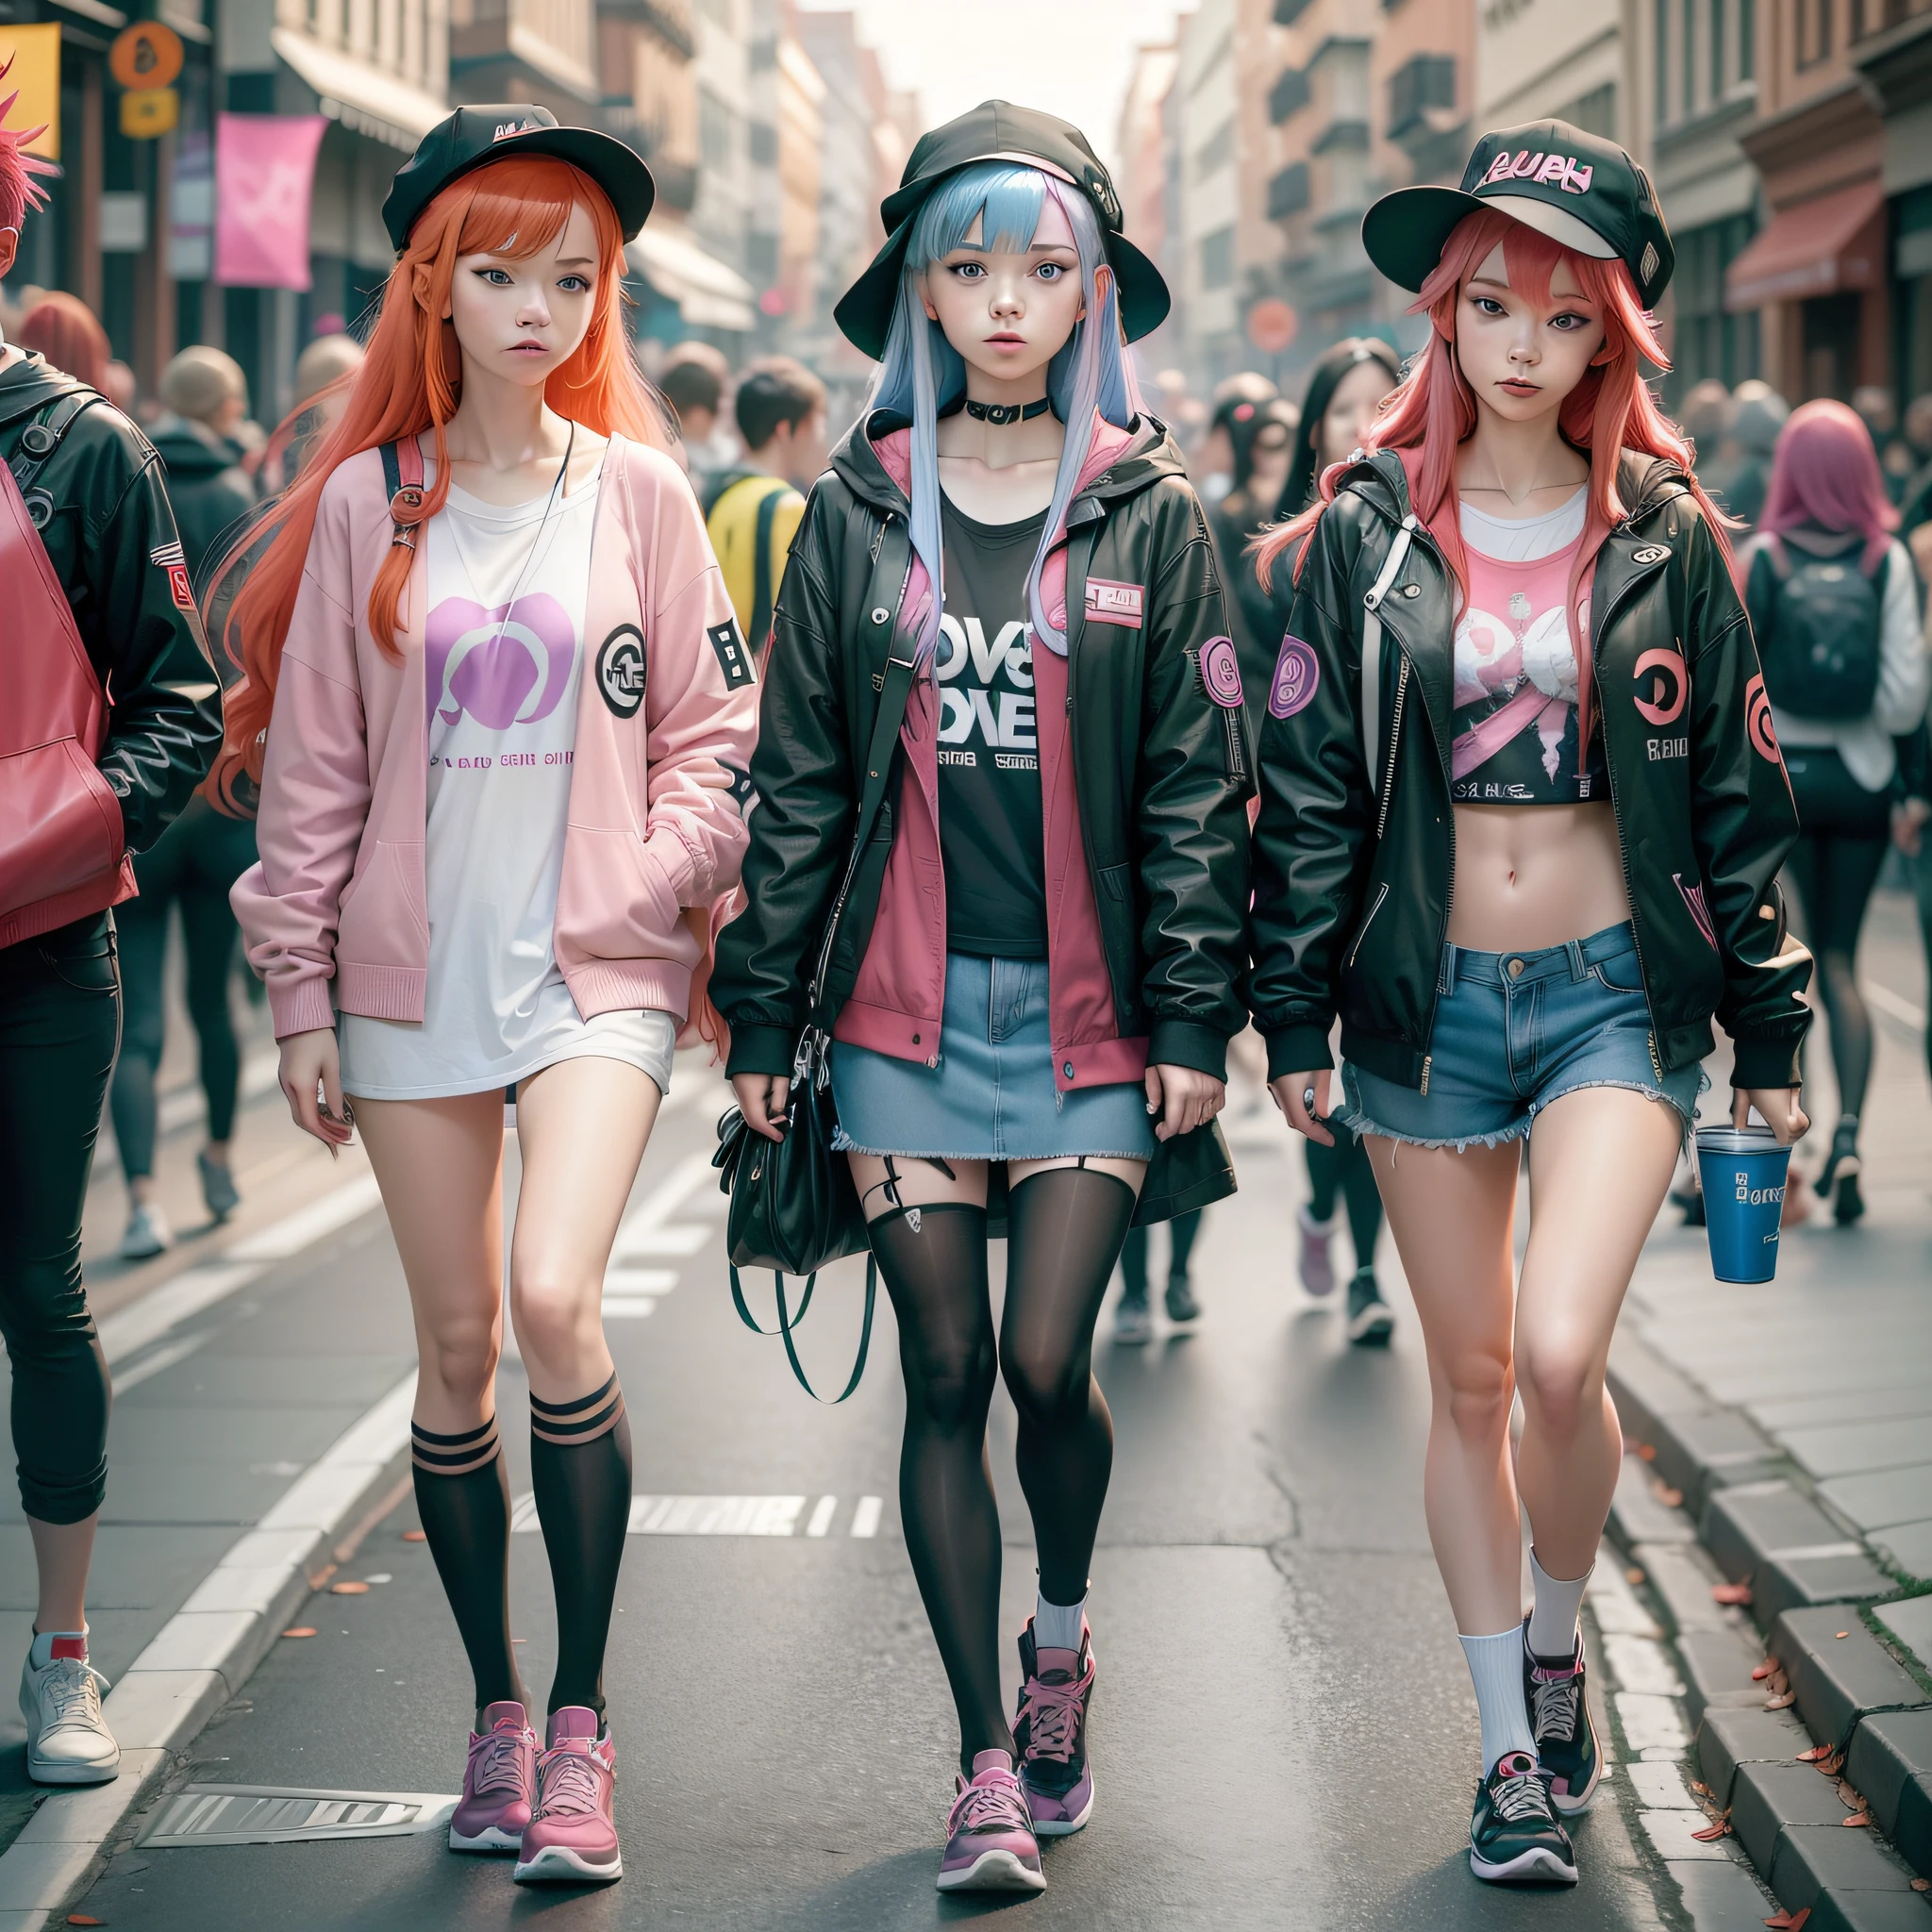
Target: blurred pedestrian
point(752, 510)
point(1835, 609)
point(1737, 476)
point(83, 782)
point(1212, 465)
point(120, 388)
point(1705, 418)
point(1915, 508)
point(1909, 818)
point(1877, 410)
point(694, 380)
point(198, 858)
point(324, 371)
point(63, 330)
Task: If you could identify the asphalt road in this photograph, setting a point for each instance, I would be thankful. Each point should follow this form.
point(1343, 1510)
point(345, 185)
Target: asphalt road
point(1284, 1734)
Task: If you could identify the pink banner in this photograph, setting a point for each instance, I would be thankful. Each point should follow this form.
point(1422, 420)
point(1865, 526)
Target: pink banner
point(264, 175)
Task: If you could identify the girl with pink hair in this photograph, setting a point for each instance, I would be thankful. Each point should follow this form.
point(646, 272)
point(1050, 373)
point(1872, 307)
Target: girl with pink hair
point(1835, 605)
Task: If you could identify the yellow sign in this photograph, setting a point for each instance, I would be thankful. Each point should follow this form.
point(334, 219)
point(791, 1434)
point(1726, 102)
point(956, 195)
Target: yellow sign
point(148, 111)
point(145, 56)
point(35, 71)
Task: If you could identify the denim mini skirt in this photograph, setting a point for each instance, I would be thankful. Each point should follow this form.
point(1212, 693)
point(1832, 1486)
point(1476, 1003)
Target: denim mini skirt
point(991, 1096)
point(1515, 1031)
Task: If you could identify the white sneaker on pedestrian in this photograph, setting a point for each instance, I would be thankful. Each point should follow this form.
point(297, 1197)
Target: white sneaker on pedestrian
point(147, 1235)
point(68, 1741)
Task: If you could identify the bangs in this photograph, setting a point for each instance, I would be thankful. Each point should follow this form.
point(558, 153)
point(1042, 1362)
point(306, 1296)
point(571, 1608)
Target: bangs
point(520, 205)
point(1008, 196)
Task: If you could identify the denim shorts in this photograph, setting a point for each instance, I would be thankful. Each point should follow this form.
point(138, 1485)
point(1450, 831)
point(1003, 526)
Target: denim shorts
point(993, 1096)
point(1515, 1031)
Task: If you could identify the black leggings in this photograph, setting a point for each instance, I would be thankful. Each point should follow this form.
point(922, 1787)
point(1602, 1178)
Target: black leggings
point(1344, 1167)
point(196, 861)
point(1181, 1231)
point(1064, 1231)
point(1842, 833)
point(59, 1016)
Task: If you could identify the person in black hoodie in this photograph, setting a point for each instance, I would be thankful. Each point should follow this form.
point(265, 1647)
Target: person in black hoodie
point(200, 855)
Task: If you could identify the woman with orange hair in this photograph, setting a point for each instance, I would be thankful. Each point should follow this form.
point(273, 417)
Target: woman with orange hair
point(499, 714)
point(1522, 815)
point(66, 335)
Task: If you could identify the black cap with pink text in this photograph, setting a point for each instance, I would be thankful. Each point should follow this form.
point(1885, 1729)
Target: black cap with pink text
point(1576, 188)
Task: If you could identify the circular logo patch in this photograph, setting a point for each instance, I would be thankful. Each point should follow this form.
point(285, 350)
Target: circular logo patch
point(1296, 675)
point(1221, 672)
point(621, 671)
point(1757, 721)
point(1668, 685)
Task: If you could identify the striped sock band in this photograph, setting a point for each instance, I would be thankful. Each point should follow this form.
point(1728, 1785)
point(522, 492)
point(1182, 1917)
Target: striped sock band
point(582, 1421)
point(454, 1455)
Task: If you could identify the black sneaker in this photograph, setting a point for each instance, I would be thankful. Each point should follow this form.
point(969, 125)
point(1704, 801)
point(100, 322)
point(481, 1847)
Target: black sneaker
point(1370, 1323)
point(1839, 1179)
point(1515, 1837)
point(1133, 1326)
point(1559, 1703)
point(1181, 1305)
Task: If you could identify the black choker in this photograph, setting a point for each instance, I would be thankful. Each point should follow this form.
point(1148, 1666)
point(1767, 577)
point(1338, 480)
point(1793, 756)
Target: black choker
point(999, 414)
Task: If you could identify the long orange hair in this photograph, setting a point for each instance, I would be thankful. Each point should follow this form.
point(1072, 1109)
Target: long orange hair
point(1433, 413)
point(411, 381)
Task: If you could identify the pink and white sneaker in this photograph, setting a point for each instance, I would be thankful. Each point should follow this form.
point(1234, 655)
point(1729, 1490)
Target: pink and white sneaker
point(1055, 1690)
point(572, 1836)
point(989, 1840)
point(499, 1782)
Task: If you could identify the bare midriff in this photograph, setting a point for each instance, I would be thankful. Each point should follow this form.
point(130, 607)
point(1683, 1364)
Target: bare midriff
point(1528, 876)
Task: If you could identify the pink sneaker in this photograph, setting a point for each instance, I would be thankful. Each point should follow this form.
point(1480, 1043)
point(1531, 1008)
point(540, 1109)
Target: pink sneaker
point(1056, 1693)
point(989, 1842)
point(572, 1838)
point(499, 1781)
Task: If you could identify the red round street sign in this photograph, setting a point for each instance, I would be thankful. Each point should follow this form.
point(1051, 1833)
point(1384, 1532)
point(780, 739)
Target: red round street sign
point(1272, 325)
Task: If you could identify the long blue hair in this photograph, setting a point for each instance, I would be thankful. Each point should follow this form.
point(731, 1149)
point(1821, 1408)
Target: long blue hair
point(922, 375)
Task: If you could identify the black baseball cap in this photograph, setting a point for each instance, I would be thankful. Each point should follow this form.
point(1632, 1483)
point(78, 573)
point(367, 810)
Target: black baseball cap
point(471, 136)
point(998, 131)
point(1578, 189)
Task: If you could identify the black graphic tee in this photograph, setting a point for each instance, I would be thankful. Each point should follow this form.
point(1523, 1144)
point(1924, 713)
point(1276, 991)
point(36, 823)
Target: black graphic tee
point(992, 826)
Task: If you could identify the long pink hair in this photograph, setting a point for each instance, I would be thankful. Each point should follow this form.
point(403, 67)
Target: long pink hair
point(1824, 474)
point(1433, 413)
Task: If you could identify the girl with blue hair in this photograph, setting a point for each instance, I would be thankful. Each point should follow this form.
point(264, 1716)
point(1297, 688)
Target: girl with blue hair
point(1002, 607)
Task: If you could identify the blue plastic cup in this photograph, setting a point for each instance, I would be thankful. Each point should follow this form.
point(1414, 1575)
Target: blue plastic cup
point(1742, 1172)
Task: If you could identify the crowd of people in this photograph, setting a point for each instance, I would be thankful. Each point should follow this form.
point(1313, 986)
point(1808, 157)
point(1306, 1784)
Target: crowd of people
point(978, 786)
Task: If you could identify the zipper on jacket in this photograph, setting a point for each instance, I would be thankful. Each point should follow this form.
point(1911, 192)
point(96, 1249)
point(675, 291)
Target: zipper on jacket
point(1381, 893)
point(1394, 739)
point(1428, 1059)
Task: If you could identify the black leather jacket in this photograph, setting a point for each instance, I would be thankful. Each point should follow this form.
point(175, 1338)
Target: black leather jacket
point(1353, 880)
point(112, 538)
point(1163, 774)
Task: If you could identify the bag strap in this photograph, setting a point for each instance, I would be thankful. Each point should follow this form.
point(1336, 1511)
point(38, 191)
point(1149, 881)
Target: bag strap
point(761, 566)
point(402, 478)
point(788, 1322)
point(38, 443)
point(1372, 652)
point(744, 1314)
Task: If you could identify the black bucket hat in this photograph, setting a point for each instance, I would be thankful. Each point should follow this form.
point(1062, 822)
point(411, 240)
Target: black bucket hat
point(1578, 189)
point(997, 130)
point(471, 136)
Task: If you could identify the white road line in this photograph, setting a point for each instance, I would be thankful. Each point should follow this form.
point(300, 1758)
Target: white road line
point(714, 1515)
point(320, 1219)
point(648, 1229)
point(627, 1308)
point(634, 1281)
point(822, 1516)
point(1892, 1006)
point(865, 1519)
point(164, 1358)
point(174, 1302)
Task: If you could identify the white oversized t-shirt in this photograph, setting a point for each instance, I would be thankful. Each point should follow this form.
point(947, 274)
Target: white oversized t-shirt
point(501, 681)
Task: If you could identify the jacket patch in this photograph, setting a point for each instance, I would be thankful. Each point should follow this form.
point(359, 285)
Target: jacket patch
point(732, 656)
point(1669, 686)
point(621, 671)
point(1112, 603)
point(1296, 675)
point(1700, 912)
point(1221, 672)
point(743, 796)
point(1757, 723)
point(1651, 552)
point(171, 559)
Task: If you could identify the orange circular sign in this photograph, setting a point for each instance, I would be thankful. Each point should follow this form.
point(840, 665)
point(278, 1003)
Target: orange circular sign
point(1272, 325)
point(146, 54)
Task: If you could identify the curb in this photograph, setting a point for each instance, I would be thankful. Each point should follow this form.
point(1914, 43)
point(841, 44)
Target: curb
point(200, 1658)
point(1813, 1595)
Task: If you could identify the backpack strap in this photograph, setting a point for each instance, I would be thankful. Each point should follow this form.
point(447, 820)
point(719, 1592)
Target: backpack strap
point(402, 477)
point(761, 566)
point(1372, 651)
point(38, 443)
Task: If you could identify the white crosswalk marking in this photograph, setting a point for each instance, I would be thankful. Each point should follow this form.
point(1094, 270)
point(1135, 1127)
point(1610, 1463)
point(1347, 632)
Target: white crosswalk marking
point(822, 1516)
point(865, 1519)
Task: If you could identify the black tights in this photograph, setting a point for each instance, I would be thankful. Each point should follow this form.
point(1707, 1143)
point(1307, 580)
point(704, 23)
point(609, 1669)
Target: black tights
point(1065, 1226)
point(1344, 1167)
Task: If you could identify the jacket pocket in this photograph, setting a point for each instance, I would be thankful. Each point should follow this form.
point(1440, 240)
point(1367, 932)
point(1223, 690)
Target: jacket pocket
point(381, 905)
point(59, 823)
point(1119, 934)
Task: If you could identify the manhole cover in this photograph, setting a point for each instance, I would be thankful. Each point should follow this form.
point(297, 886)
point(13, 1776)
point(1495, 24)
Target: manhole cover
point(263, 1815)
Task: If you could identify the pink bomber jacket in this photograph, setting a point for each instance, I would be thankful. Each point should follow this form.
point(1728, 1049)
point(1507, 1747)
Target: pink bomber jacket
point(667, 714)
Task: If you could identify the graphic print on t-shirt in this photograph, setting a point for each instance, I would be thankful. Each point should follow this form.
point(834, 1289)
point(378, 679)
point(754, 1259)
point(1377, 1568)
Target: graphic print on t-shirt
point(504, 666)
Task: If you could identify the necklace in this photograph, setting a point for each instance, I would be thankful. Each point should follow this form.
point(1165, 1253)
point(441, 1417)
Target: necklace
point(999, 414)
point(509, 602)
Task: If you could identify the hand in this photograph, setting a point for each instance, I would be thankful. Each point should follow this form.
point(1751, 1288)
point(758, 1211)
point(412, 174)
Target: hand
point(1779, 1107)
point(311, 1060)
point(762, 1099)
point(1183, 1098)
point(1288, 1091)
point(1908, 817)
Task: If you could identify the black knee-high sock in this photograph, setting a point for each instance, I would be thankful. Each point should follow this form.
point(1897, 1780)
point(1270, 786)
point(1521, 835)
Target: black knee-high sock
point(1364, 1199)
point(580, 1468)
point(934, 1262)
point(1181, 1231)
point(463, 1495)
point(1064, 1227)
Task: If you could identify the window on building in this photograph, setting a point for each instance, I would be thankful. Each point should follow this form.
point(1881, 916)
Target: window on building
point(1717, 50)
point(1427, 81)
point(1288, 191)
point(1814, 32)
point(1709, 341)
point(1595, 112)
point(715, 121)
point(1747, 40)
point(1662, 38)
point(764, 144)
point(1217, 258)
point(1217, 150)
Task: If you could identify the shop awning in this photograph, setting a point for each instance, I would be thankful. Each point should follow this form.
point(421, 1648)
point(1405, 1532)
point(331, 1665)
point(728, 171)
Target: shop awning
point(1816, 248)
point(360, 97)
point(709, 294)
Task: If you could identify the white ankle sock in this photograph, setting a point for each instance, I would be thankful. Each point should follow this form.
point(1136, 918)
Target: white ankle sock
point(42, 1653)
point(1495, 1667)
point(1552, 1617)
point(1056, 1627)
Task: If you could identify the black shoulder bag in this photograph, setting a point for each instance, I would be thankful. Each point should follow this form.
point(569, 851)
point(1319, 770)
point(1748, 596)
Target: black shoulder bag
point(794, 1207)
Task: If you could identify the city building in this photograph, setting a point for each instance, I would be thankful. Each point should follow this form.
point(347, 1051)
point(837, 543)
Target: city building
point(1892, 57)
point(546, 51)
point(1206, 126)
point(848, 174)
point(1539, 58)
point(1147, 177)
